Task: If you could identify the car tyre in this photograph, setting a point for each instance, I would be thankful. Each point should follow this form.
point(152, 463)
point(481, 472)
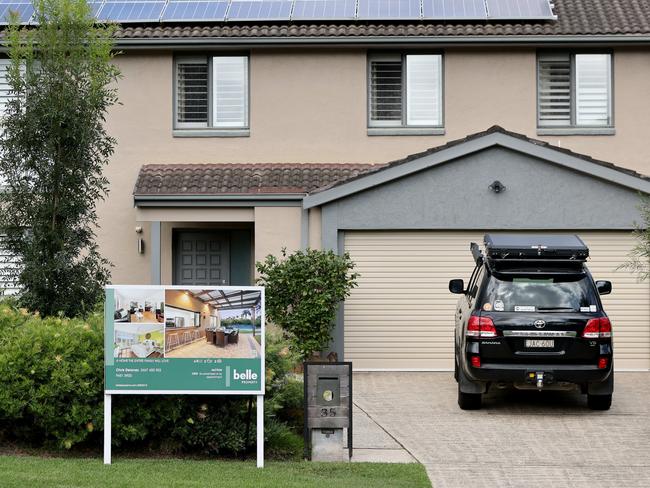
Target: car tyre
point(469, 401)
point(599, 402)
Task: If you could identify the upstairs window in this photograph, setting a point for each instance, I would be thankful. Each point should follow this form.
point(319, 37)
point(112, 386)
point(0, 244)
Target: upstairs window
point(405, 90)
point(211, 92)
point(574, 90)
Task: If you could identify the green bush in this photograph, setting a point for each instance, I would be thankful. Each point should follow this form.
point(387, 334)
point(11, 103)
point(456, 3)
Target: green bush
point(52, 394)
point(52, 376)
point(281, 442)
point(303, 292)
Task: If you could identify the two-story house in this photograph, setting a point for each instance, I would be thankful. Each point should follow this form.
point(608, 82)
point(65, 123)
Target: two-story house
point(395, 130)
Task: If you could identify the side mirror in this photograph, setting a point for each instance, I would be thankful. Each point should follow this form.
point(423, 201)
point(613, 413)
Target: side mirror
point(457, 287)
point(604, 287)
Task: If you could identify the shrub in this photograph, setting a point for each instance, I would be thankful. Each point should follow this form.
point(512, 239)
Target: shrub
point(303, 291)
point(639, 256)
point(282, 442)
point(52, 377)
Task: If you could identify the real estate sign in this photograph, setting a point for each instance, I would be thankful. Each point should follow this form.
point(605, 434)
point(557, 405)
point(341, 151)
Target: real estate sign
point(171, 339)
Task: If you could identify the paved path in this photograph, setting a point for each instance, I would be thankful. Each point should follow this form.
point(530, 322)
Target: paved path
point(518, 439)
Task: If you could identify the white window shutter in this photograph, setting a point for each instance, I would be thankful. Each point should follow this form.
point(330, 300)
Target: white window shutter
point(593, 88)
point(192, 103)
point(554, 90)
point(423, 90)
point(5, 90)
point(230, 97)
point(9, 266)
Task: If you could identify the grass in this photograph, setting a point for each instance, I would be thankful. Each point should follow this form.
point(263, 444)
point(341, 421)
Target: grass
point(31, 471)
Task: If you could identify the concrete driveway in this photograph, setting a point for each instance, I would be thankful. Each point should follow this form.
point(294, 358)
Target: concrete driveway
point(518, 439)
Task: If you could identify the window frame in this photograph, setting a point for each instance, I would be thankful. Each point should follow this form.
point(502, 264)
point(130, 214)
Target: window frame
point(199, 129)
point(385, 127)
point(573, 128)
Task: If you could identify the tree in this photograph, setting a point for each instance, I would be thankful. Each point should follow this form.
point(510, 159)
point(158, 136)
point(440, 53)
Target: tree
point(53, 151)
point(303, 292)
point(639, 257)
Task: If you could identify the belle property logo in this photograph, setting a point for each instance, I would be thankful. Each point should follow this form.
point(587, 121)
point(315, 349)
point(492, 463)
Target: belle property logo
point(246, 378)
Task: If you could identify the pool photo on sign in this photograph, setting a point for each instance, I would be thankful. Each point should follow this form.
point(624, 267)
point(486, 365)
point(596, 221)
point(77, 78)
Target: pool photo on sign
point(212, 323)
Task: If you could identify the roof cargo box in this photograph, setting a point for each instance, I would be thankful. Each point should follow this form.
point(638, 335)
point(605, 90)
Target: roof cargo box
point(518, 247)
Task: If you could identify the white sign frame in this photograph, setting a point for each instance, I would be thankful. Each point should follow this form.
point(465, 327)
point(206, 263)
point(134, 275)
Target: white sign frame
point(259, 394)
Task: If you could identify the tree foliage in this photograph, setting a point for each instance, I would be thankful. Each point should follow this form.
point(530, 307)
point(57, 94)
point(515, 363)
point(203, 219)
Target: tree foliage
point(639, 257)
point(303, 292)
point(53, 150)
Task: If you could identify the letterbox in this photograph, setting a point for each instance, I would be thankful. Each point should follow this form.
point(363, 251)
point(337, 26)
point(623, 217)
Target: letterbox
point(328, 410)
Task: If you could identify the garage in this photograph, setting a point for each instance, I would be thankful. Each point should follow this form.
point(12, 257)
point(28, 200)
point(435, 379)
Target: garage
point(401, 315)
point(407, 225)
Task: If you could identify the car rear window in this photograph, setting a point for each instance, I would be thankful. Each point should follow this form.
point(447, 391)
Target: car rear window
point(571, 293)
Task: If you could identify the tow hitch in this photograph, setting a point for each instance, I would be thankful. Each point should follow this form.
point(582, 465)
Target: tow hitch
point(540, 379)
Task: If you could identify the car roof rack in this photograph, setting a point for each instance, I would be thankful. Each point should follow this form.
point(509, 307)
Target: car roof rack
point(559, 249)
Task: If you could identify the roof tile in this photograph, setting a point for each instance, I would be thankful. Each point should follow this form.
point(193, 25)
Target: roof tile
point(241, 179)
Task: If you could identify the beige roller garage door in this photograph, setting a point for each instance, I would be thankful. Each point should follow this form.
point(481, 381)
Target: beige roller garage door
point(401, 315)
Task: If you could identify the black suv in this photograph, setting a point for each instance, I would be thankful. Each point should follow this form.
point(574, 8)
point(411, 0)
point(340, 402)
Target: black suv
point(531, 317)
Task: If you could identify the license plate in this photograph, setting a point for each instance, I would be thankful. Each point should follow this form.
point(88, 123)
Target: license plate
point(540, 343)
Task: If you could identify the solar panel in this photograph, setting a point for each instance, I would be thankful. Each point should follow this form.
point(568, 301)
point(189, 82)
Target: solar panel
point(324, 10)
point(25, 10)
point(259, 10)
point(95, 6)
point(202, 10)
point(125, 11)
point(453, 9)
point(389, 9)
point(519, 9)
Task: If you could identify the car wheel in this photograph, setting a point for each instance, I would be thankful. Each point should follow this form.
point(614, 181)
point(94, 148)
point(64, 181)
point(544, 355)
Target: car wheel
point(469, 401)
point(456, 369)
point(599, 402)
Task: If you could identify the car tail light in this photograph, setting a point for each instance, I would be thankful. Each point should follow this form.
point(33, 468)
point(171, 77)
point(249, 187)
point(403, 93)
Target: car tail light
point(597, 328)
point(476, 361)
point(478, 326)
point(603, 363)
point(605, 327)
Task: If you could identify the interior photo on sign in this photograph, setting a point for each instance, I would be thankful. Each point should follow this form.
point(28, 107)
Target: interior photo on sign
point(214, 323)
point(139, 305)
point(138, 340)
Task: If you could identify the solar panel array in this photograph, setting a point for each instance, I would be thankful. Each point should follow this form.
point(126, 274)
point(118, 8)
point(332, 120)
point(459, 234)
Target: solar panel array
point(145, 11)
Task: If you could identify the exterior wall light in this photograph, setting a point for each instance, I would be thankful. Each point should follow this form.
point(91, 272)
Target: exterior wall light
point(497, 187)
point(138, 230)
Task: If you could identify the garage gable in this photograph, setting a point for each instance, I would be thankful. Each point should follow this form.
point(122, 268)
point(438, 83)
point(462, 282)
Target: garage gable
point(542, 187)
point(462, 148)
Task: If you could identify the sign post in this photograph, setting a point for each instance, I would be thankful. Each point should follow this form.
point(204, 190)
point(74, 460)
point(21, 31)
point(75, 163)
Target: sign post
point(184, 340)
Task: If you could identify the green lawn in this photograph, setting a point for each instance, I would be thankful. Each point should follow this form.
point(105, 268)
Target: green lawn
point(32, 472)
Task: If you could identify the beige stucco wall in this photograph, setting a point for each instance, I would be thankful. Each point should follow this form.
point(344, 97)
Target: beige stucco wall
point(310, 106)
point(275, 228)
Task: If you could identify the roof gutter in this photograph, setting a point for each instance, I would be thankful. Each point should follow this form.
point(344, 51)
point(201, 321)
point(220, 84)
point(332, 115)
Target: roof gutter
point(279, 199)
point(451, 41)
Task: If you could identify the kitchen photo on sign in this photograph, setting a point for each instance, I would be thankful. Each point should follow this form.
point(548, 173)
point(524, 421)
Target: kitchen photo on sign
point(212, 323)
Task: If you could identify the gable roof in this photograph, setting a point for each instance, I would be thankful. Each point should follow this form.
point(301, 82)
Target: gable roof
point(494, 136)
point(232, 179)
point(625, 19)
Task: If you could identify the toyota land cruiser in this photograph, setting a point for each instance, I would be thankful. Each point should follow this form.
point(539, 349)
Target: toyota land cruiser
point(531, 317)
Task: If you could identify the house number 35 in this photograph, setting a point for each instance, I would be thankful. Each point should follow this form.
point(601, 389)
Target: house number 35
point(328, 412)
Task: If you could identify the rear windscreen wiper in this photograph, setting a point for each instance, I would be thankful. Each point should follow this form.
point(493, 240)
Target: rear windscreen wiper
point(541, 309)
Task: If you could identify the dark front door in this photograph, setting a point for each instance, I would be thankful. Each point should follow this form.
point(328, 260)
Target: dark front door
point(201, 258)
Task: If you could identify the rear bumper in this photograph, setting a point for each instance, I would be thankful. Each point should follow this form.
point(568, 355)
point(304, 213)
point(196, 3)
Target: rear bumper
point(571, 373)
